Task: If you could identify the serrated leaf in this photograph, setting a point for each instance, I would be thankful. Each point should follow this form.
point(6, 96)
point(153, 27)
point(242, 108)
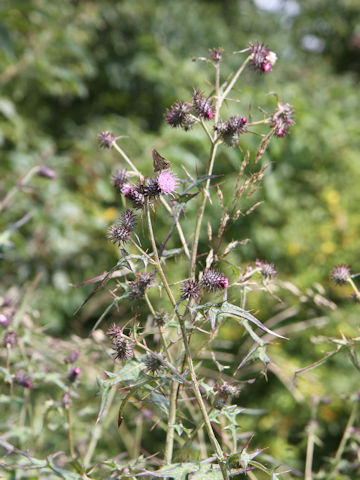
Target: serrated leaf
point(105, 389)
point(178, 471)
point(129, 373)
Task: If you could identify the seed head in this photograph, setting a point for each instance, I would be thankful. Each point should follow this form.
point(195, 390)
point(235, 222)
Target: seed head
point(202, 106)
point(190, 289)
point(22, 380)
point(120, 177)
point(213, 280)
point(268, 270)
point(140, 284)
point(179, 115)
point(167, 182)
point(340, 274)
point(106, 139)
point(153, 364)
point(282, 119)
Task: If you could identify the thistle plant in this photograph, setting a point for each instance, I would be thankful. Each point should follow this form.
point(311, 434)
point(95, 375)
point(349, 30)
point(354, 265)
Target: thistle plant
point(202, 302)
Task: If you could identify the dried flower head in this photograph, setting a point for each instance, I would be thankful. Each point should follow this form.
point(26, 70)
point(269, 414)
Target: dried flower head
point(120, 177)
point(340, 274)
point(262, 58)
point(161, 318)
point(140, 284)
point(230, 130)
point(73, 374)
point(106, 139)
point(216, 54)
point(122, 346)
point(137, 199)
point(202, 106)
point(282, 119)
point(120, 233)
point(167, 182)
point(72, 357)
point(151, 189)
point(224, 393)
point(153, 363)
point(22, 380)
point(190, 289)
point(213, 280)
point(10, 339)
point(179, 115)
point(268, 270)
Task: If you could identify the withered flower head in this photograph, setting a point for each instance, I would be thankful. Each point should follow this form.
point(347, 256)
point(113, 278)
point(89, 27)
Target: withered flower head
point(140, 284)
point(153, 363)
point(268, 270)
point(282, 119)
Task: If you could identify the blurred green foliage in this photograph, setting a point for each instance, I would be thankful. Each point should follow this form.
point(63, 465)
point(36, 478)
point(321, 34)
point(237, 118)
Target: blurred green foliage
point(71, 69)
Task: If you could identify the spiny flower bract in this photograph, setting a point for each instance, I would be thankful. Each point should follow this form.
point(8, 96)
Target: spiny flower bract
point(213, 280)
point(340, 274)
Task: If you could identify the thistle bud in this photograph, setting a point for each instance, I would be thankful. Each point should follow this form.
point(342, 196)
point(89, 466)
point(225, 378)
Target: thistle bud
point(106, 139)
point(22, 380)
point(46, 172)
point(140, 284)
point(10, 339)
point(73, 374)
point(216, 54)
point(190, 289)
point(202, 106)
point(153, 363)
point(268, 270)
point(282, 119)
point(179, 115)
point(72, 357)
point(262, 58)
point(120, 177)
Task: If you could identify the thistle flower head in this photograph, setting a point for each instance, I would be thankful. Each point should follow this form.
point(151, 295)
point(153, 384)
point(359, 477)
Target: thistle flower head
point(216, 54)
point(73, 374)
point(161, 318)
point(120, 233)
point(10, 339)
point(72, 357)
point(268, 270)
point(106, 139)
point(340, 274)
point(202, 106)
point(231, 129)
point(167, 182)
point(22, 380)
point(261, 57)
point(153, 363)
point(46, 172)
point(179, 115)
point(190, 289)
point(224, 393)
point(140, 284)
point(152, 190)
point(137, 199)
point(123, 347)
point(282, 119)
point(213, 280)
point(4, 320)
point(120, 177)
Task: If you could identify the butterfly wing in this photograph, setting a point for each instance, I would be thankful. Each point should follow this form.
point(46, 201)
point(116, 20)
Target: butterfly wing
point(160, 163)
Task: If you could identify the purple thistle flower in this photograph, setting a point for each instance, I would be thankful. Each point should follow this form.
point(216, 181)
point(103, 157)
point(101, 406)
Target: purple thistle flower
point(268, 270)
point(216, 54)
point(120, 177)
point(340, 274)
point(121, 232)
point(202, 106)
point(137, 199)
point(262, 58)
point(106, 139)
point(4, 320)
point(232, 129)
point(190, 289)
point(10, 339)
point(73, 374)
point(22, 380)
point(72, 357)
point(282, 119)
point(179, 115)
point(46, 172)
point(167, 182)
point(213, 280)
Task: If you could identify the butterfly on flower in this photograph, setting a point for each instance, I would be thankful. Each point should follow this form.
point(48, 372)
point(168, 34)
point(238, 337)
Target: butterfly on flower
point(160, 163)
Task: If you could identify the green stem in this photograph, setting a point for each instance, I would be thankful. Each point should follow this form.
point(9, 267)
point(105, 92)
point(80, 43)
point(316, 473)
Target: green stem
point(310, 450)
point(70, 433)
point(202, 209)
point(357, 293)
point(18, 187)
point(195, 384)
point(233, 80)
